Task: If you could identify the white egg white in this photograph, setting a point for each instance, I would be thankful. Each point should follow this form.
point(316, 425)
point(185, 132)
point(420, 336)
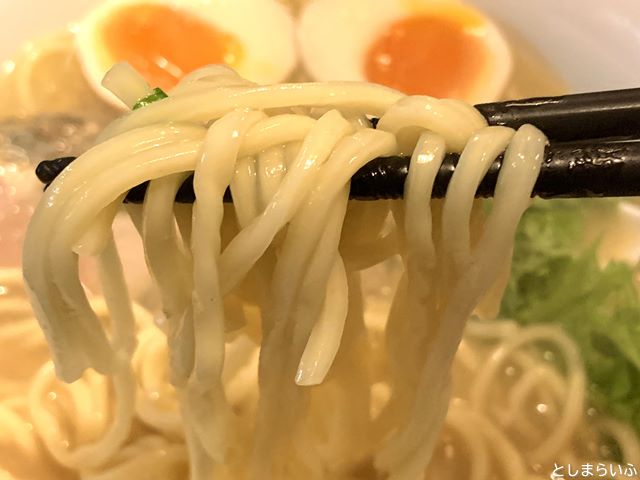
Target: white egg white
point(264, 28)
point(335, 35)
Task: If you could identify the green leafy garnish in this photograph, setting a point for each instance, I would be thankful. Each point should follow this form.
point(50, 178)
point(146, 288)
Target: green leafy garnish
point(157, 94)
point(553, 280)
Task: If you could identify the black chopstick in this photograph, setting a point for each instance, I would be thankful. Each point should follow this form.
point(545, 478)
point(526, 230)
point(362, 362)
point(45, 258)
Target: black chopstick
point(608, 167)
point(592, 115)
point(565, 118)
point(570, 170)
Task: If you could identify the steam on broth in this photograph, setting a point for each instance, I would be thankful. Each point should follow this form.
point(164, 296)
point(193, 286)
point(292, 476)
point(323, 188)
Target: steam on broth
point(518, 393)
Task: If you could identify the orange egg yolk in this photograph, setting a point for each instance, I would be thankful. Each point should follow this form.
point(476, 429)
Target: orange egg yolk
point(427, 55)
point(164, 43)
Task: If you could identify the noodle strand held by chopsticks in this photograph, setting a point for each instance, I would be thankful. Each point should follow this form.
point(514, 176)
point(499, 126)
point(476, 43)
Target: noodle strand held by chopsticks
point(269, 292)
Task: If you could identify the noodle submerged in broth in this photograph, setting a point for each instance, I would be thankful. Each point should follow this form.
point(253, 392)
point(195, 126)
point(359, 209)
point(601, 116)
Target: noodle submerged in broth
point(280, 354)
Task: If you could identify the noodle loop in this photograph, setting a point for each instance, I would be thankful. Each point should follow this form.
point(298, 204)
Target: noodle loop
point(270, 362)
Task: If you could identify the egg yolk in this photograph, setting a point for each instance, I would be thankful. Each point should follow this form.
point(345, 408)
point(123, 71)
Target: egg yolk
point(427, 55)
point(164, 43)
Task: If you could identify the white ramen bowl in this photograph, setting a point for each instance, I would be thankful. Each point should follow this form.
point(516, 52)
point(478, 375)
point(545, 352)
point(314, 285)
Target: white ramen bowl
point(593, 45)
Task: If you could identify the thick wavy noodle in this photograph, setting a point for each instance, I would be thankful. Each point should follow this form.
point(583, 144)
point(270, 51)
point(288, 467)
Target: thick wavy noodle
point(277, 355)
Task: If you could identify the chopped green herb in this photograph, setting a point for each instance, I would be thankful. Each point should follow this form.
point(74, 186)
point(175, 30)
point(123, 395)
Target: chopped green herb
point(157, 94)
point(553, 281)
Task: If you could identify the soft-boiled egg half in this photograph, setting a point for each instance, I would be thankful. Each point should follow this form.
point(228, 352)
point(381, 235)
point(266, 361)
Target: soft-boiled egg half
point(166, 39)
point(421, 47)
